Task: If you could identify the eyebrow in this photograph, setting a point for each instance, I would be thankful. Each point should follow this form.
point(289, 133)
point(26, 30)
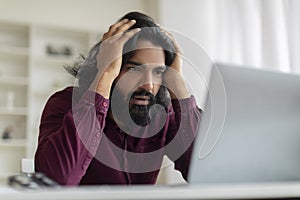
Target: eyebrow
point(134, 63)
point(142, 65)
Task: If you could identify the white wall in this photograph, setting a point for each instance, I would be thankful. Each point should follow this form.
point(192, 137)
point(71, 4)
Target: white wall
point(189, 17)
point(94, 15)
point(191, 22)
point(83, 14)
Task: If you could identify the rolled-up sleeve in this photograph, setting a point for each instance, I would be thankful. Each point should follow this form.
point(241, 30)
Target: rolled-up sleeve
point(69, 136)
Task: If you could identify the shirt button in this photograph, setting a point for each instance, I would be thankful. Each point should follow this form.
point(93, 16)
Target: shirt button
point(89, 156)
point(98, 135)
point(104, 104)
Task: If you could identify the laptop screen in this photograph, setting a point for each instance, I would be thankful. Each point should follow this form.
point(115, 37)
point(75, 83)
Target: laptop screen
point(250, 130)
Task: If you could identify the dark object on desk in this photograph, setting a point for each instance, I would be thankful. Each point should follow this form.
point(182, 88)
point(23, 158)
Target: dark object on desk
point(31, 181)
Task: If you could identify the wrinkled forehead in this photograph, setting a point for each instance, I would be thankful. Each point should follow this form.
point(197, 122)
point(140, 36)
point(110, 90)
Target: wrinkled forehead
point(148, 53)
point(147, 44)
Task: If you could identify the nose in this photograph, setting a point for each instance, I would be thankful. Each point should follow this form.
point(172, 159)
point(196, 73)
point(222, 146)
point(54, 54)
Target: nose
point(147, 82)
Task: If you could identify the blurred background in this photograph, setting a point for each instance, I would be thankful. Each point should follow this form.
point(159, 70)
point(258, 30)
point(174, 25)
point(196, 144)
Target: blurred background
point(38, 37)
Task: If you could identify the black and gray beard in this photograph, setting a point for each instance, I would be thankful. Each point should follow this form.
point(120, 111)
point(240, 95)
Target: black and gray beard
point(138, 114)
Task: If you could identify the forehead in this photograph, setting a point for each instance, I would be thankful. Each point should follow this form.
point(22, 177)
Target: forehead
point(148, 53)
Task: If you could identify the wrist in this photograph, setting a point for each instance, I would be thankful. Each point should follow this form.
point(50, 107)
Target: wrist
point(178, 89)
point(102, 84)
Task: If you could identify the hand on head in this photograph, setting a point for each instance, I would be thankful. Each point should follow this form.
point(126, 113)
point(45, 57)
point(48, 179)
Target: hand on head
point(173, 77)
point(109, 58)
point(177, 62)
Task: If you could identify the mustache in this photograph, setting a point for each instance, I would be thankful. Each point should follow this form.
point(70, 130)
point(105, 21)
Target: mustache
point(143, 93)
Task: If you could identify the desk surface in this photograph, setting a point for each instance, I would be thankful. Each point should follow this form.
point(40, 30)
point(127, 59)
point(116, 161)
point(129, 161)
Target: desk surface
point(245, 191)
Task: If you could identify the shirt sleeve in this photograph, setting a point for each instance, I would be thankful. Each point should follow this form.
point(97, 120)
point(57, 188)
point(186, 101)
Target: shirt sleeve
point(69, 136)
point(184, 121)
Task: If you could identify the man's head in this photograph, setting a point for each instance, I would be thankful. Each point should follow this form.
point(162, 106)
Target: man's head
point(145, 58)
point(150, 31)
point(139, 84)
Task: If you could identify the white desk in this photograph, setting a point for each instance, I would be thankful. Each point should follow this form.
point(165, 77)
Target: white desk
point(159, 192)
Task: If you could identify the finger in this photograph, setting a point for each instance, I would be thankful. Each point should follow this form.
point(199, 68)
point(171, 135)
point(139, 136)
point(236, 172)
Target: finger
point(119, 30)
point(124, 27)
point(171, 36)
point(113, 28)
point(167, 33)
point(126, 36)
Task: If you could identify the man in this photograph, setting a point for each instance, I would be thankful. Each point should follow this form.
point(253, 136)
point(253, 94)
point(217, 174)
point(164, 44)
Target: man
point(132, 107)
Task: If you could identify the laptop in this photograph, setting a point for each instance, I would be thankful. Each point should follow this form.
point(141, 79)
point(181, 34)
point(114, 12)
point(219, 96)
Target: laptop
point(250, 128)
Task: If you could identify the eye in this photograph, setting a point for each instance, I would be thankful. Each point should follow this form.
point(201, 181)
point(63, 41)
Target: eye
point(159, 72)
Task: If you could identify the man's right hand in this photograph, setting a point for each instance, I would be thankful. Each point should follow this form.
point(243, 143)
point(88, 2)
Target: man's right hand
point(109, 58)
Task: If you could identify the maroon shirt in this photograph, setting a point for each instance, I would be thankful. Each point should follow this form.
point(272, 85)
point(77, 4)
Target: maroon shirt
point(83, 146)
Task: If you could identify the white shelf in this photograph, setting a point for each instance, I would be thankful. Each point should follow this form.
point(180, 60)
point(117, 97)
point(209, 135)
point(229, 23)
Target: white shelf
point(13, 111)
point(12, 50)
point(13, 143)
point(32, 57)
point(5, 175)
point(11, 80)
point(54, 59)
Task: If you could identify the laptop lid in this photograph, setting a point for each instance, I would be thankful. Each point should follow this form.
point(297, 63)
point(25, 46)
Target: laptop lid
point(250, 128)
